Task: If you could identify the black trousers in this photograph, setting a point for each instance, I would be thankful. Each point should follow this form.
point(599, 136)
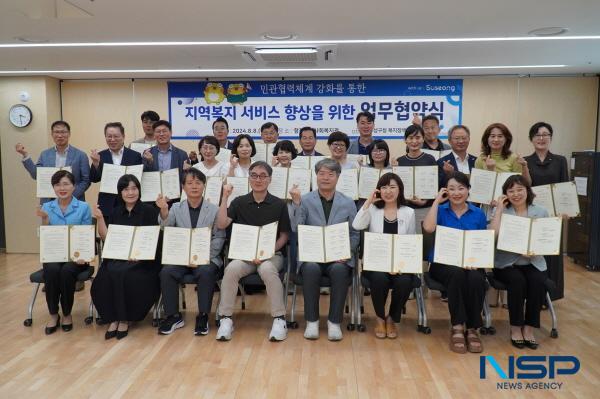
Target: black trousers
point(171, 276)
point(381, 283)
point(466, 292)
point(60, 279)
point(526, 290)
point(339, 275)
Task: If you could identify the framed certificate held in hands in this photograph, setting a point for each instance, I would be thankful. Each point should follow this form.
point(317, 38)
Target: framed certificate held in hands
point(43, 180)
point(131, 242)
point(323, 244)
point(393, 253)
point(252, 242)
point(464, 248)
point(558, 199)
point(528, 236)
point(186, 247)
point(165, 183)
point(67, 243)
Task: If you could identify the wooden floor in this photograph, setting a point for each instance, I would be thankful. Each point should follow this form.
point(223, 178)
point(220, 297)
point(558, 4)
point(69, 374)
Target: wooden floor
point(82, 364)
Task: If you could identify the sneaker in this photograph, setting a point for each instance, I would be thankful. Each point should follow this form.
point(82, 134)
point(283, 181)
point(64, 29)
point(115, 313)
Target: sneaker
point(225, 329)
point(201, 324)
point(279, 330)
point(334, 332)
point(171, 324)
point(312, 330)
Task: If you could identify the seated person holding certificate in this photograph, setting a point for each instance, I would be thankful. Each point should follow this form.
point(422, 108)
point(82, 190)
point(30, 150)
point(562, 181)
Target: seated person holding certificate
point(338, 143)
point(415, 137)
point(60, 278)
point(524, 276)
point(209, 148)
point(193, 212)
point(465, 287)
point(241, 156)
point(323, 207)
point(257, 208)
point(124, 290)
point(164, 155)
point(283, 153)
point(61, 155)
point(115, 154)
point(386, 212)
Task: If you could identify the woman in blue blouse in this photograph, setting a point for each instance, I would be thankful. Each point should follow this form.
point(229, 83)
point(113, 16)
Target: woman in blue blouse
point(60, 278)
point(465, 286)
point(524, 276)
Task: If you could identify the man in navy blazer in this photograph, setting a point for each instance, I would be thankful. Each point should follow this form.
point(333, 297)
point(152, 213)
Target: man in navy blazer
point(308, 141)
point(61, 155)
point(116, 154)
point(322, 207)
point(164, 155)
point(458, 160)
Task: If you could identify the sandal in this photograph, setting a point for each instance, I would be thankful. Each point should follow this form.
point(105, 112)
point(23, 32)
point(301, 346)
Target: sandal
point(390, 328)
point(380, 328)
point(457, 340)
point(474, 344)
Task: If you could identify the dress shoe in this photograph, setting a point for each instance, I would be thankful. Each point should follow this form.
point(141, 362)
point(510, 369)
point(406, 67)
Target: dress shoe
point(52, 330)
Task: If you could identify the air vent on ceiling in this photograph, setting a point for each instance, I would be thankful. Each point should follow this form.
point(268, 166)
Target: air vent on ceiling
point(286, 56)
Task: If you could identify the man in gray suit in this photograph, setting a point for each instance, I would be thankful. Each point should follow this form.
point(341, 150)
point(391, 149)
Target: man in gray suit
point(193, 212)
point(323, 207)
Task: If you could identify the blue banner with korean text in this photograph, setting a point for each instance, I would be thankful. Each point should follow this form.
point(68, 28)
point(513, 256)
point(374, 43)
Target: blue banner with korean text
point(327, 105)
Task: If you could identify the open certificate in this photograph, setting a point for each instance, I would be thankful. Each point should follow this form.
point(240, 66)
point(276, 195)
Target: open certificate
point(224, 155)
point(393, 253)
point(486, 185)
point(558, 198)
point(165, 183)
point(43, 181)
point(530, 237)
point(131, 242)
point(252, 242)
point(419, 181)
point(436, 154)
point(283, 179)
point(367, 180)
point(322, 244)
point(240, 185)
point(140, 147)
point(67, 243)
point(186, 247)
point(112, 173)
point(348, 183)
point(464, 248)
point(264, 152)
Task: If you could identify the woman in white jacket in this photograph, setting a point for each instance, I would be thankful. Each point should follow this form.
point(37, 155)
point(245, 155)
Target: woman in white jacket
point(386, 212)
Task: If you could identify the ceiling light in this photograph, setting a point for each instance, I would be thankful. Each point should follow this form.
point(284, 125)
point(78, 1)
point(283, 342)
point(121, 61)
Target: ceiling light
point(286, 50)
point(305, 42)
point(279, 70)
point(548, 32)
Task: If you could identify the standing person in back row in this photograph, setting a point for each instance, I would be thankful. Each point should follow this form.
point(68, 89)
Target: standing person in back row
point(59, 156)
point(365, 123)
point(164, 155)
point(431, 128)
point(149, 118)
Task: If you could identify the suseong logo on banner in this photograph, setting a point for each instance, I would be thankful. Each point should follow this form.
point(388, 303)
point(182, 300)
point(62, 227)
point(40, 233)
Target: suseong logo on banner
point(521, 372)
point(326, 105)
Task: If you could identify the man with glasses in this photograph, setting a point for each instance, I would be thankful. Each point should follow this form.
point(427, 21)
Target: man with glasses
point(256, 208)
point(59, 156)
point(458, 160)
point(115, 154)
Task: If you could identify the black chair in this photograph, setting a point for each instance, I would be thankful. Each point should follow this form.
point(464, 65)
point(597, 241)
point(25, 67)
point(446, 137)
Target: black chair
point(433, 284)
point(550, 287)
point(422, 326)
point(37, 278)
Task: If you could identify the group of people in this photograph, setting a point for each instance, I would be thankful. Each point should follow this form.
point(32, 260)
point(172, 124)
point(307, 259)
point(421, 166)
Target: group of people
point(124, 291)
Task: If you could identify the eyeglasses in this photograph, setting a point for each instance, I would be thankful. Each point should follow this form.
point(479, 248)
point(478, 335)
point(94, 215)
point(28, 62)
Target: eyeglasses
point(338, 145)
point(255, 176)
